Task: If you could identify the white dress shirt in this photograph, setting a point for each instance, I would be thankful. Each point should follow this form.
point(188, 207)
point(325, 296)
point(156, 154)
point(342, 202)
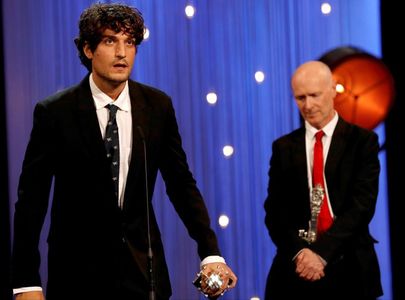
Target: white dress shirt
point(124, 122)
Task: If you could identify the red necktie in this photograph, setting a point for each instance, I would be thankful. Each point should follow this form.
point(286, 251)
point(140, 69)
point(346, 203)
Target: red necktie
point(324, 218)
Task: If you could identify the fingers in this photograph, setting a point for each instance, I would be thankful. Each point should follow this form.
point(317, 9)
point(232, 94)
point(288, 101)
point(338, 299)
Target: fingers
point(231, 278)
point(311, 272)
point(309, 266)
point(312, 276)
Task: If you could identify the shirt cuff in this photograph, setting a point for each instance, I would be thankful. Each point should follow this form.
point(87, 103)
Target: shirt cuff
point(27, 289)
point(295, 256)
point(324, 262)
point(212, 259)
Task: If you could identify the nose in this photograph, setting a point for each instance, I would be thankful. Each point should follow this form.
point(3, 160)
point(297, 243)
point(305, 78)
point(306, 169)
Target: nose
point(308, 103)
point(120, 50)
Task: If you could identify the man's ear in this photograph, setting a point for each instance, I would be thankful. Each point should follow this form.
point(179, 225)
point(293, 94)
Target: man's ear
point(87, 51)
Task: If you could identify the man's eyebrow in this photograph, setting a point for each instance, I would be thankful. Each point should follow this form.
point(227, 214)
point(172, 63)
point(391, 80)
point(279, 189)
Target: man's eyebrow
point(112, 36)
point(108, 36)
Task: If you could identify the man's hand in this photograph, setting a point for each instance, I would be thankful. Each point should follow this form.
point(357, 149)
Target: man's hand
point(216, 279)
point(30, 296)
point(309, 265)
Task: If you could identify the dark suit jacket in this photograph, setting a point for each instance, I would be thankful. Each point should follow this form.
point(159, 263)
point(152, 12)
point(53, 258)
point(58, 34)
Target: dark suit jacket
point(87, 227)
point(351, 171)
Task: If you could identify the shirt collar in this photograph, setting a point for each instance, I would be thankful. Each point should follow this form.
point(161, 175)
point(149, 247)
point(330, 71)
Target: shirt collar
point(328, 129)
point(101, 99)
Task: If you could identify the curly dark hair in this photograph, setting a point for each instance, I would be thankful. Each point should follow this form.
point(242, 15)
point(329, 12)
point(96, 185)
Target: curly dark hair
point(101, 16)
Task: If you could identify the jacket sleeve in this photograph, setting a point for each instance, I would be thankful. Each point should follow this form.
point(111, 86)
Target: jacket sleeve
point(182, 190)
point(286, 205)
point(31, 206)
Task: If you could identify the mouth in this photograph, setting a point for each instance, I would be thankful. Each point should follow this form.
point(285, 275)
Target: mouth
point(310, 114)
point(121, 65)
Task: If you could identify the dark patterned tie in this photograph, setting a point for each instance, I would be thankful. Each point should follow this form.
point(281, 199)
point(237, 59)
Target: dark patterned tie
point(325, 218)
point(112, 145)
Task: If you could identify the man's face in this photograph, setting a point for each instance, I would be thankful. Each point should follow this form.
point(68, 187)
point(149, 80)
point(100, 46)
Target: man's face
point(314, 98)
point(113, 59)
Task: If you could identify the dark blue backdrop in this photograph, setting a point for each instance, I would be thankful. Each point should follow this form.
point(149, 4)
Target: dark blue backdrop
point(218, 50)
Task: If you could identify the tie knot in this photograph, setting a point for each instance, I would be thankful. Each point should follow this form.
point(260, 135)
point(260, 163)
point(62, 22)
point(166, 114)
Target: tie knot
point(113, 110)
point(319, 135)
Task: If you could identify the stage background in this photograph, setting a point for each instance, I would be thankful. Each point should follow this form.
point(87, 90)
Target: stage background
point(218, 50)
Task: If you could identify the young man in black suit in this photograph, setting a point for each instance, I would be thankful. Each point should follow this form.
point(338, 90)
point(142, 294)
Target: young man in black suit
point(94, 153)
point(338, 260)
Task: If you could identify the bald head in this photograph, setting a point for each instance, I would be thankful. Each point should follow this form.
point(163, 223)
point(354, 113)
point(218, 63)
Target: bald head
point(314, 92)
point(312, 69)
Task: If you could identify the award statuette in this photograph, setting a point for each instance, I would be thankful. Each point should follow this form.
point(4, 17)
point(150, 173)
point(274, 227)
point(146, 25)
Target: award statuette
point(210, 283)
point(317, 196)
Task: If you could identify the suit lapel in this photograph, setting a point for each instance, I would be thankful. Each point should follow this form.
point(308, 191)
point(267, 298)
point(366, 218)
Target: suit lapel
point(140, 121)
point(337, 146)
point(88, 121)
point(140, 113)
point(336, 150)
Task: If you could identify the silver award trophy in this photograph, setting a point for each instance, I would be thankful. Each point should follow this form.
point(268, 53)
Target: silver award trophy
point(316, 202)
point(212, 281)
